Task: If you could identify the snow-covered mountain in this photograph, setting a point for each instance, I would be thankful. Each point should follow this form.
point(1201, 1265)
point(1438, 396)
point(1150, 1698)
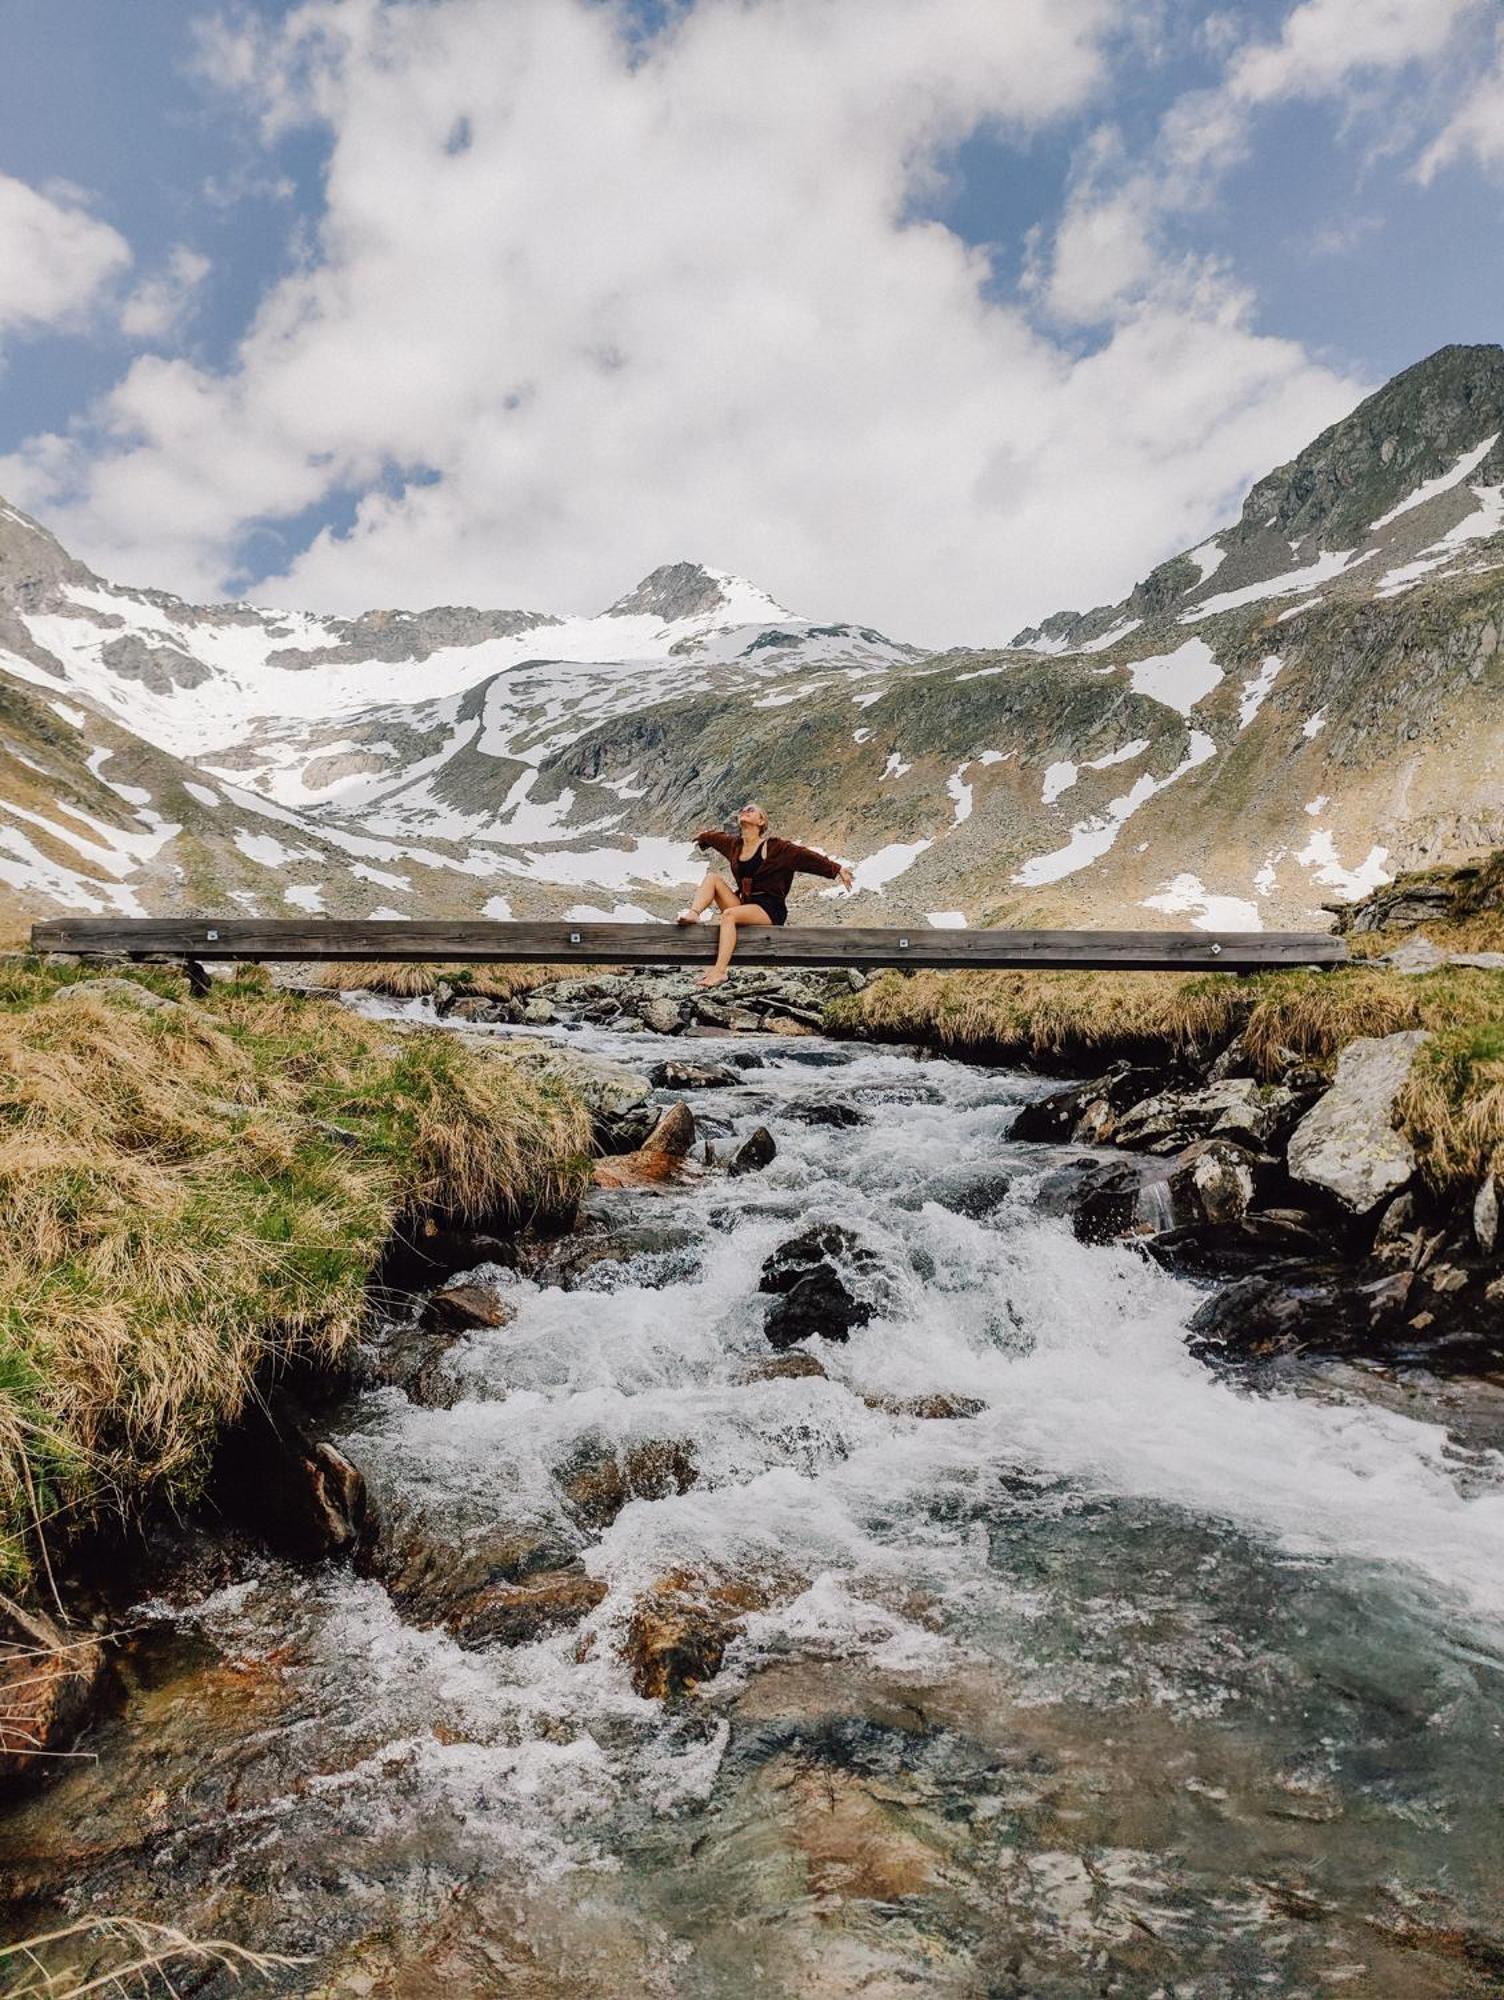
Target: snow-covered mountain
point(1280, 717)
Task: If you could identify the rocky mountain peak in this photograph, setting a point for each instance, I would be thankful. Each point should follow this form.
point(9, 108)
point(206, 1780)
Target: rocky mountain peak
point(688, 590)
point(1415, 428)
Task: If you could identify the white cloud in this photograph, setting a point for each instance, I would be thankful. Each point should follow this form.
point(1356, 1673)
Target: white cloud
point(632, 306)
point(54, 257)
point(1477, 130)
point(1103, 252)
point(157, 306)
point(1324, 42)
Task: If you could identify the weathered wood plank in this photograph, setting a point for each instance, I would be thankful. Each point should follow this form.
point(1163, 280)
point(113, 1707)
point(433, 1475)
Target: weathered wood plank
point(663, 944)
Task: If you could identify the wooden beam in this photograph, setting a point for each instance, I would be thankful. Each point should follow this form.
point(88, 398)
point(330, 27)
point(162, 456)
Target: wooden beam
point(664, 944)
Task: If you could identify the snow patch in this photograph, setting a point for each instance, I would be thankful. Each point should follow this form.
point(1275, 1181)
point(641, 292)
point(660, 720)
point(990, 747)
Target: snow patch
point(1254, 689)
point(305, 896)
point(1179, 679)
point(1320, 854)
point(74, 716)
point(623, 913)
point(1057, 779)
point(1208, 560)
point(960, 792)
point(895, 767)
point(1122, 630)
point(1092, 838)
point(1314, 724)
point(203, 793)
point(1185, 896)
point(1442, 483)
point(1330, 563)
point(946, 920)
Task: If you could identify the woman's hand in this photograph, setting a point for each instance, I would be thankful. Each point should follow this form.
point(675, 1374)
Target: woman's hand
point(846, 879)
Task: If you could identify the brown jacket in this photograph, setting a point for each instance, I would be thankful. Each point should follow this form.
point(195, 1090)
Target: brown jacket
point(768, 876)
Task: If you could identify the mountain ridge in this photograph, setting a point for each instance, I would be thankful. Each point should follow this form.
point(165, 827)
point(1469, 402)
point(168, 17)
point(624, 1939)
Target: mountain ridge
point(1284, 714)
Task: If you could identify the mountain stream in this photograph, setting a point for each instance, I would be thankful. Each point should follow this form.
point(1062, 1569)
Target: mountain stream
point(1141, 1679)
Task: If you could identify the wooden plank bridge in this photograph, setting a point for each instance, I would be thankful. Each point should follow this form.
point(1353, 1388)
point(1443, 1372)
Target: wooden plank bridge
point(197, 939)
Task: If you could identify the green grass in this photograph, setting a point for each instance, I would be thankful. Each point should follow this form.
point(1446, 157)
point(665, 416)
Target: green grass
point(193, 1196)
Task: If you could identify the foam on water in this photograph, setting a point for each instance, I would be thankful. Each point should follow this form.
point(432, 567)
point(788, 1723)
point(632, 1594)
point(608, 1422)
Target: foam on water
point(880, 1531)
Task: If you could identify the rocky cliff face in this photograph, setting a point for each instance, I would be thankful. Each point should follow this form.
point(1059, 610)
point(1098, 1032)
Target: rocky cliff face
point(1278, 719)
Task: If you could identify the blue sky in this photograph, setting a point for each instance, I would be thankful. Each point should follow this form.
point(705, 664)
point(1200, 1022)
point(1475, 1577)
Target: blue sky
point(884, 302)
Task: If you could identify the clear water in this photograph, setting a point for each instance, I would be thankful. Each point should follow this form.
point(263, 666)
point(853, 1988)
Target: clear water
point(1138, 1682)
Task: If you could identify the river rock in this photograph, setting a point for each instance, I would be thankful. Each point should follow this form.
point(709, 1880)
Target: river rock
point(1087, 1112)
point(679, 1630)
point(1236, 1108)
point(598, 1488)
point(1348, 1144)
point(515, 1614)
point(810, 1295)
point(825, 1111)
point(784, 1024)
point(974, 1192)
point(50, 1684)
point(662, 1015)
point(570, 1261)
point(679, 1075)
point(935, 1407)
point(435, 1580)
point(127, 992)
point(1486, 1215)
point(660, 1158)
point(616, 1097)
point(1219, 1250)
point(461, 1309)
point(756, 1151)
point(288, 1486)
point(1293, 1308)
point(1213, 1182)
point(790, 1367)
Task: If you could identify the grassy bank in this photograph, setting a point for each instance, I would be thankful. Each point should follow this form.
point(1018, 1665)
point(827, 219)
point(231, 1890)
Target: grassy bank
point(1453, 1108)
point(398, 979)
point(190, 1192)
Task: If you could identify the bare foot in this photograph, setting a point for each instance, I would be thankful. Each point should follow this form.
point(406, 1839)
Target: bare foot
point(714, 977)
point(687, 917)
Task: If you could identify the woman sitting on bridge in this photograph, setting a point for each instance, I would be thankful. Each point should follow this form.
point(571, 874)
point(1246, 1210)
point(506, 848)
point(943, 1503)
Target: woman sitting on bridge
point(764, 867)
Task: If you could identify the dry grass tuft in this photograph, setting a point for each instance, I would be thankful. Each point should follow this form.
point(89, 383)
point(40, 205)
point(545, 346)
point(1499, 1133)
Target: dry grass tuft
point(1452, 1107)
point(191, 1193)
point(1056, 1016)
point(403, 980)
point(141, 1953)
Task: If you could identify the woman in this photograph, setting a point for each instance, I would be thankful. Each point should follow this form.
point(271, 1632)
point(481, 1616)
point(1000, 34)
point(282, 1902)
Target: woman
point(764, 867)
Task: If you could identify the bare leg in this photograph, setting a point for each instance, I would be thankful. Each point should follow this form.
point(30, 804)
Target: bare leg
point(739, 916)
point(711, 890)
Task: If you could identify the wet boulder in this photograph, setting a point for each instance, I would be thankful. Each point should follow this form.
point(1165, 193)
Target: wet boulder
point(516, 1614)
point(934, 1408)
point(1253, 1243)
point(793, 1366)
point(757, 1150)
point(1294, 1308)
point(288, 1486)
point(807, 1279)
point(662, 1015)
point(679, 1629)
point(826, 1111)
point(436, 1577)
point(51, 1682)
point(975, 1192)
point(661, 1157)
point(464, 1308)
point(1236, 1108)
point(603, 1480)
point(1087, 1112)
point(1348, 1144)
point(584, 1261)
point(1214, 1182)
point(680, 1075)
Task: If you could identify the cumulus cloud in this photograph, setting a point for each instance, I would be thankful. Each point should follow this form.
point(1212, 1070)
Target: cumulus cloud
point(159, 304)
point(579, 306)
point(1477, 130)
point(55, 257)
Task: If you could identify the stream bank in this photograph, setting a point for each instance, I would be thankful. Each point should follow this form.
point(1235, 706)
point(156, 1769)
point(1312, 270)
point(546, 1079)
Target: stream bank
point(831, 1576)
